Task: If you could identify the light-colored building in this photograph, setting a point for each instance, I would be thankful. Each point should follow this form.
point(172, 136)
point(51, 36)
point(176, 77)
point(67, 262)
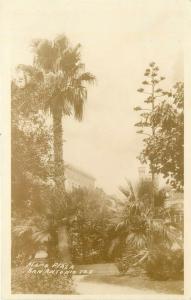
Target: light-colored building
point(145, 175)
point(75, 178)
point(175, 202)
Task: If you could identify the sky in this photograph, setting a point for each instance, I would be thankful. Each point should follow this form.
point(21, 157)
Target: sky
point(119, 39)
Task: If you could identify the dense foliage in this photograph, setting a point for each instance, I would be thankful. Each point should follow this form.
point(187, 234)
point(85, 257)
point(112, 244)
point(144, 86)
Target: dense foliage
point(31, 187)
point(23, 282)
point(165, 264)
point(90, 214)
point(31, 145)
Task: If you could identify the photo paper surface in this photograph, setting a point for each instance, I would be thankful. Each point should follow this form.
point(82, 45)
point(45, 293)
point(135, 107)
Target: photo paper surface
point(93, 139)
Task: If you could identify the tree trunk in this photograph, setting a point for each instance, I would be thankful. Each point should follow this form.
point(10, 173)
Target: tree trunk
point(63, 239)
point(58, 150)
point(63, 244)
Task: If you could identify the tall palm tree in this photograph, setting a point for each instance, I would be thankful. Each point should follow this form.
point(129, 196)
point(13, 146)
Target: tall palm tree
point(65, 80)
point(63, 91)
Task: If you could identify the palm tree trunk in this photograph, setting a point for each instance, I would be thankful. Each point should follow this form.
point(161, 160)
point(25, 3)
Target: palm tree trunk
point(58, 150)
point(63, 244)
point(63, 240)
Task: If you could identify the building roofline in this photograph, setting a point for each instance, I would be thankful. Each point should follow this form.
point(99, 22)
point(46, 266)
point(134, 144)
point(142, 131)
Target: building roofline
point(72, 167)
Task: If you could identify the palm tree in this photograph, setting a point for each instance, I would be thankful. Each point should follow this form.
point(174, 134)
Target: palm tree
point(138, 232)
point(65, 81)
point(62, 90)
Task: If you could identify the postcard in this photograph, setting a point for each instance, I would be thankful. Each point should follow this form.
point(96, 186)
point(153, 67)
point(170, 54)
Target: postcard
point(95, 153)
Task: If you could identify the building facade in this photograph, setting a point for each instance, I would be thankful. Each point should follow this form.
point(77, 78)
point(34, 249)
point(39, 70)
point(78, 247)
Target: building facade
point(175, 203)
point(77, 178)
point(145, 175)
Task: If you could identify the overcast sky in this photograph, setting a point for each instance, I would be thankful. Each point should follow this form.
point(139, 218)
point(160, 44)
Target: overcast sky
point(119, 39)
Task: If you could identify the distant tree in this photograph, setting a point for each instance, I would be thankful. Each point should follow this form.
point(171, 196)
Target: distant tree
point(164, 144)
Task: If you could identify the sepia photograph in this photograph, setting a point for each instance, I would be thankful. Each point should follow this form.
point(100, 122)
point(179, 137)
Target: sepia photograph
point(96, 147)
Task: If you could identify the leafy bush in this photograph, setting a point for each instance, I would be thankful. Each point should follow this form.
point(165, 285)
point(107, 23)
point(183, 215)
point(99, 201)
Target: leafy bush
point(89, 213)
point(177, 265)
point(123, 265)
point(168, 265)
point(26, 283)
point(21, 259)
point(126, 261)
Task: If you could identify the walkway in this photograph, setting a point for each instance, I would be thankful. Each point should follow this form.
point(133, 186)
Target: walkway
point(105, 279)
point(83, 287)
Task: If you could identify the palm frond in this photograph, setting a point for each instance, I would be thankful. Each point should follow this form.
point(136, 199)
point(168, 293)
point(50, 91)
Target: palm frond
point(124, 191)
point(138, 241)
point(41, 236)
point(61, 42)
point(63, 74)
point(128, 191)
point(142, 256)
point(114, 244)
point(131, 190)
point(22, 229)
point(87, 77)
point(120, 226)
point(45, 54)
point(74, 98)
point(166, 232)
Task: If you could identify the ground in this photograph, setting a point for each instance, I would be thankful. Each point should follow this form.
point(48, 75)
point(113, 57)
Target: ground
point(106, 279)
point(115, 284)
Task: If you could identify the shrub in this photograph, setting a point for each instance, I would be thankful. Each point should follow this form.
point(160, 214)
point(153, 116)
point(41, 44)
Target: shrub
point(126, 261)
point(21, 259)
point(23, 282)
point(177, 265)
point(167, 265)
point(122, 265)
